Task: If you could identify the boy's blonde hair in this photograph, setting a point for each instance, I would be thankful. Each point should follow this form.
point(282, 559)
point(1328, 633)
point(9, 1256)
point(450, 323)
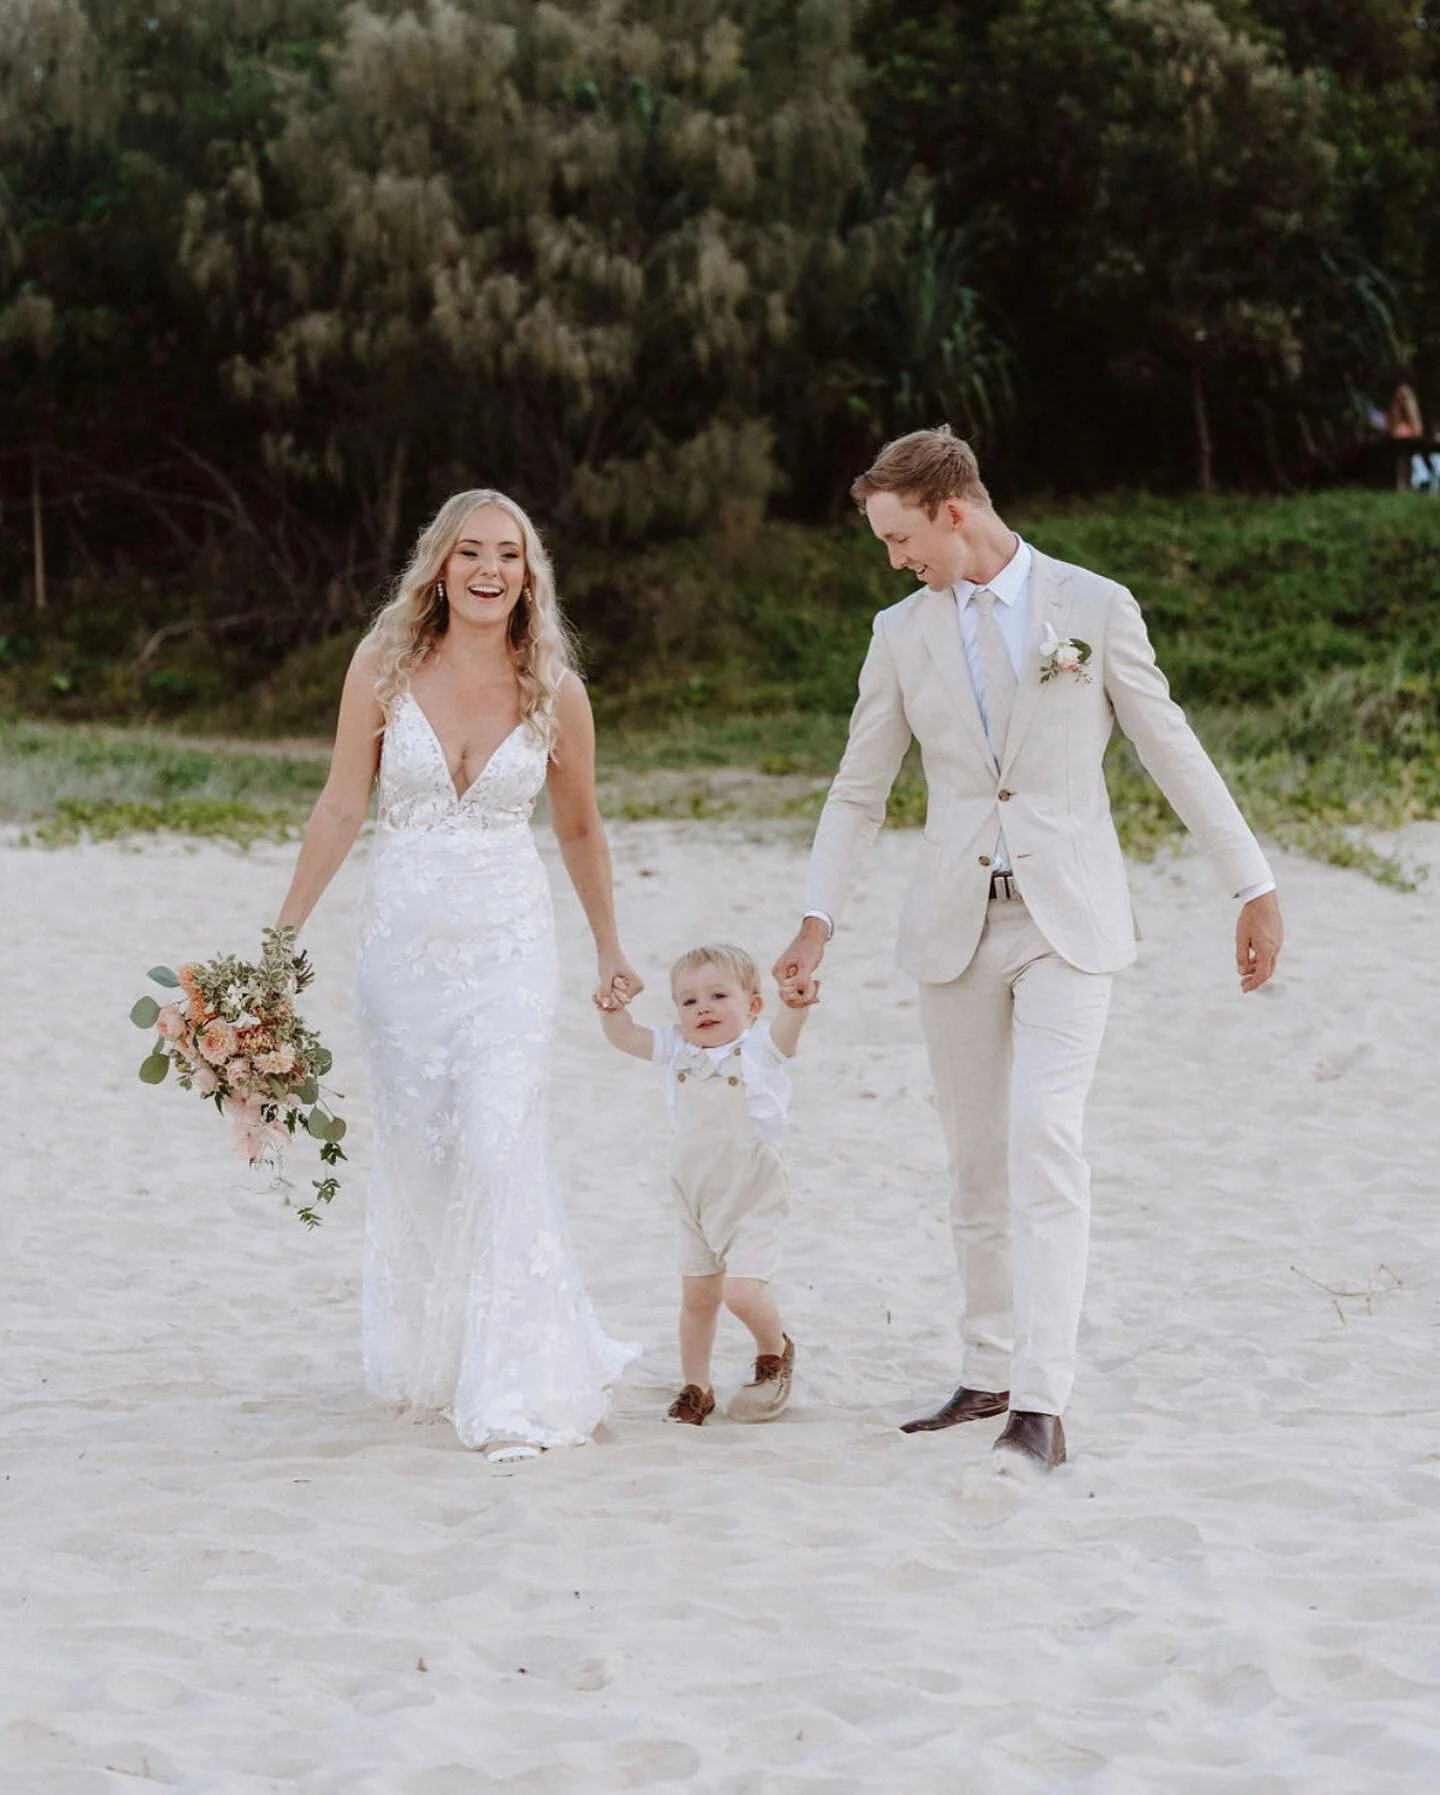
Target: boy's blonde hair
point(733, 960)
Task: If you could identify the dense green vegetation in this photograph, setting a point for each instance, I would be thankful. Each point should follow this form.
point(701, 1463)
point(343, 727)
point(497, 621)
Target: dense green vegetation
point(1248, 600)
point(275, 275)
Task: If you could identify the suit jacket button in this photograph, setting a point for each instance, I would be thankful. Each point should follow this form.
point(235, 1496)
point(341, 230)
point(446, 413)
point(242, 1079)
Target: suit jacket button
point(984, 860)
point(1003, 796)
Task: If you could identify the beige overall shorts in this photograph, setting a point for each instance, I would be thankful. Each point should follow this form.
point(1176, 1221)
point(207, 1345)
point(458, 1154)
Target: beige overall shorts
point(731, 1189)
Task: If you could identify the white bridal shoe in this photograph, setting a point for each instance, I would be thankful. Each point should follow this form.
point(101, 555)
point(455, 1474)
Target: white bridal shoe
point(509, 1452)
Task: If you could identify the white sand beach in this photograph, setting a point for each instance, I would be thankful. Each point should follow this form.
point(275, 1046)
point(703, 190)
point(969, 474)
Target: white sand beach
point(226, 1572)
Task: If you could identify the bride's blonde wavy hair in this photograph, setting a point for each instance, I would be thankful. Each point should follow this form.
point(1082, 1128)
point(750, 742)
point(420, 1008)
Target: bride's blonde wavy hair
point(408, 627)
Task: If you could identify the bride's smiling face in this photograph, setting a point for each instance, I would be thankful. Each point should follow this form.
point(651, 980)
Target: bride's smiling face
point(485, 572)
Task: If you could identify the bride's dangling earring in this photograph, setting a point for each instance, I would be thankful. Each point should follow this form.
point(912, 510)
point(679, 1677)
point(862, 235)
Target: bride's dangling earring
point(442, 600)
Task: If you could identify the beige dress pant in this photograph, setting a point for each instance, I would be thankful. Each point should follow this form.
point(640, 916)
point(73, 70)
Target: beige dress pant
point(1012, 1045)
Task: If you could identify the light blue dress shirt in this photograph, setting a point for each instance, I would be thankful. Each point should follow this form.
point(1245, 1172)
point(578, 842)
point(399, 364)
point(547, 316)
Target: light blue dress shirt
point(1011, 587)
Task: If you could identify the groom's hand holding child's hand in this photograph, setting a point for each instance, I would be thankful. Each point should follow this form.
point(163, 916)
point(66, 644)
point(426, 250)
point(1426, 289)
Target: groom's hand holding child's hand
point(794, 972)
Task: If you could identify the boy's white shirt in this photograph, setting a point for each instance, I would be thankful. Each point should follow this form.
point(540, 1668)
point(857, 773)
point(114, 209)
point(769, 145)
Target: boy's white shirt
point(762, 1069)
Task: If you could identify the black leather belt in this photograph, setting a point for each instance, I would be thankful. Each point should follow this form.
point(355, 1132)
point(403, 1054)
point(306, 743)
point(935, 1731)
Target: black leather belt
point(1003, 888)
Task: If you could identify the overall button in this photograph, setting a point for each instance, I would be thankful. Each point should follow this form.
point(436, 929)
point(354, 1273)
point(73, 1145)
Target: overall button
point(984, 860)
point(1003, 796)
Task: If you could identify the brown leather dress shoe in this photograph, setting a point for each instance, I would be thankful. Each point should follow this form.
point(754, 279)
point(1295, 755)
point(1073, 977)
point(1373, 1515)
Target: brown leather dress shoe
point(1040, 1437)
point(692, 1405)
point(964, 1405)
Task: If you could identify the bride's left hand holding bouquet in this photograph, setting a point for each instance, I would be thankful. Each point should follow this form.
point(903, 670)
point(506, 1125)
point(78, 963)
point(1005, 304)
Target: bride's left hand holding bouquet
point(235, 1036)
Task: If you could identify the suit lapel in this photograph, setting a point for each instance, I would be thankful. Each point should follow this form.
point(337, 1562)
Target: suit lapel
point(1047, 605)
point(940, 626)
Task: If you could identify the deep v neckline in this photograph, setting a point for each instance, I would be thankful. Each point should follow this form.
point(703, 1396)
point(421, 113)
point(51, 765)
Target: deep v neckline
point(434, 734)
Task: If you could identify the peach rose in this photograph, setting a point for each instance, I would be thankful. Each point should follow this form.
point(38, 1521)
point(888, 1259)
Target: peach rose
point(217, 1042)
point(276, 1064)
point(170, 1023)
point(238, 1070)
point(206, 1080)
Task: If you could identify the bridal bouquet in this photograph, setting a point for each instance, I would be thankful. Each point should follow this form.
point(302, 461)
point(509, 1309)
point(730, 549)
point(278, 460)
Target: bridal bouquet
point(234, 1035)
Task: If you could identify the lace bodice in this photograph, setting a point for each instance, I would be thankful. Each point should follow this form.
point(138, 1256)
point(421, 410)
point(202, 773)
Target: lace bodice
point(417, 792)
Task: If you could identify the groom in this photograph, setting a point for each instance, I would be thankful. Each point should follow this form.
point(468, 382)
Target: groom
point(1011, 669)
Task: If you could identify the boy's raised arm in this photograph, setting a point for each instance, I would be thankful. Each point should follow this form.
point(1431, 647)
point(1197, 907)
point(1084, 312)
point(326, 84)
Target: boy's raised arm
point(785, 1029)
point(623, 1032)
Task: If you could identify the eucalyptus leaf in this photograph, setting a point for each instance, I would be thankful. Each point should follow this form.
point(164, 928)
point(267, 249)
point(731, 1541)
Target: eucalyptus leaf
point(318, 1123)
point(336, 1130)
point(153, 1069)
point(324, 1060)
point(308, 1091)
point(162, 975)
point(144, 1013)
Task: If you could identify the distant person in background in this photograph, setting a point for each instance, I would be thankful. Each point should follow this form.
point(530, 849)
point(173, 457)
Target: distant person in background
point(1404, 425)
point(1402, 416)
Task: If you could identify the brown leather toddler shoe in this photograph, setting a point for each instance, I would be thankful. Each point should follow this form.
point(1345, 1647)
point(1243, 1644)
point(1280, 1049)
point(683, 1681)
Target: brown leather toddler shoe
point(692, 1404)
point(769, 1394)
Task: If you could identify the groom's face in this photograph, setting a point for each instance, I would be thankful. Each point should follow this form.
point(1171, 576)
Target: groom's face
point(931, 547)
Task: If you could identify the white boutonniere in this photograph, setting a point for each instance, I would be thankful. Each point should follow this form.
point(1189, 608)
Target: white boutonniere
point(1063, 654)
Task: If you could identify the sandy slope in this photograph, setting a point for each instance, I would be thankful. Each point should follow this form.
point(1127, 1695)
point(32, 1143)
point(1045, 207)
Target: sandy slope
point(224, 1571)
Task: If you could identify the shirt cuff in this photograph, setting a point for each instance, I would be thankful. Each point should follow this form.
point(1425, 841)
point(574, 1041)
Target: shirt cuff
point(1253, 891)
point(823, 916)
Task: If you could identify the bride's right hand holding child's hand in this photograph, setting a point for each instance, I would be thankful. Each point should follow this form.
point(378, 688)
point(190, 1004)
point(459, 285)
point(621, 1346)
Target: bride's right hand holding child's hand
point(615, 996)
point(621, 1030)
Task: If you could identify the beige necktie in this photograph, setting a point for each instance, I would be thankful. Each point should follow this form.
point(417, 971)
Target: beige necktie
point(997, 673)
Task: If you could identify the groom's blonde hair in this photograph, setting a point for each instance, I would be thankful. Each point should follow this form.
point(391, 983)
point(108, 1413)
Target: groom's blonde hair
point(924, 468)
point(733, 960)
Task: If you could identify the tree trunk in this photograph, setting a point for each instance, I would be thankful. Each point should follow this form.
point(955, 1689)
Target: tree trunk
point(1204, 449)
point(394, 492)
point(37, 527)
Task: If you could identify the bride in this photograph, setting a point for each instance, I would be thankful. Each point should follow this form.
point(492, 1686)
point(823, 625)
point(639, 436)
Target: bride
point(463, 699)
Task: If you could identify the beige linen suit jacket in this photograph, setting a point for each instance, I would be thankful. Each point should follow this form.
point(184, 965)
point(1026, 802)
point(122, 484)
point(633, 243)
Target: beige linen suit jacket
point(1048, 793)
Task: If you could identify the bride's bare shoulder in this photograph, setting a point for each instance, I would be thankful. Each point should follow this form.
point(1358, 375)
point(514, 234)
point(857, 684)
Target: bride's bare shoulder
point(362, 715)
point(366, 659)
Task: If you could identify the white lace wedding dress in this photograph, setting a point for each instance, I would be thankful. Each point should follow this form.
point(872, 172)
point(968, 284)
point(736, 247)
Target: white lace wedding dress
point(473, 1304)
